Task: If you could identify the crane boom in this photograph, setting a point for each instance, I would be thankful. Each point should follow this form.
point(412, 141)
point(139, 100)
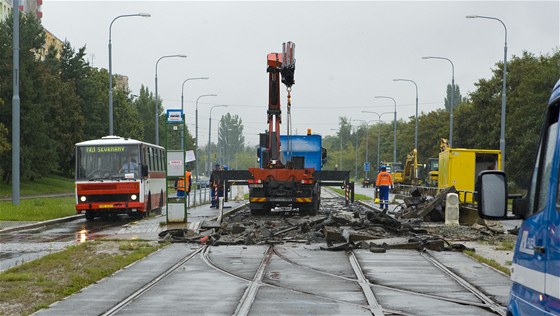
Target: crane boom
point(278, 64)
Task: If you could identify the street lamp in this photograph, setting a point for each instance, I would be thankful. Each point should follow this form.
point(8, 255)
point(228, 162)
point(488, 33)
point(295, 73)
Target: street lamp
point(182, 97)
point(367, 147)
point(145, 15)
point(378, 132)
point(156, 126)
point(340, 136)
point(394, 126)
point(356, 161)
point(196, 130)
point(416, 124)
point(503, 116)
point(452, 107)
point(210, 135)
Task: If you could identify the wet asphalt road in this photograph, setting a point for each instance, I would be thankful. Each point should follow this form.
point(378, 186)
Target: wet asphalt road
point(29, 244)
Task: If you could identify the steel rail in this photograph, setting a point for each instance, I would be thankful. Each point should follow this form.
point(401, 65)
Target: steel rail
point(487, 303)
point(208, 260)
point(250, 293)
point(374, 306)
point(151, 284)
point(490, 304)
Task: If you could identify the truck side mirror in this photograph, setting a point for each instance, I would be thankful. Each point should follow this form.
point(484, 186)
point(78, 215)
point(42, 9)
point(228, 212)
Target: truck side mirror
point(492, 194)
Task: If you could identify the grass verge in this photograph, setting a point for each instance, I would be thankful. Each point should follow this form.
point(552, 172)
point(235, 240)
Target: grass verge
point(47, 185)
point(357, 197)
point(37, 284)
point(487, 261)
point(37, 209)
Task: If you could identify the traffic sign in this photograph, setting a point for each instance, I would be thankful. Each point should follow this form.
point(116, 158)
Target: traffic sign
point(366, 166)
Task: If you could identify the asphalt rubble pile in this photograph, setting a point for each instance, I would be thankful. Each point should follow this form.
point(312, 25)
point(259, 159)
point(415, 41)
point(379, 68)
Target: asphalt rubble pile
point(335, 228)
point(427, 207)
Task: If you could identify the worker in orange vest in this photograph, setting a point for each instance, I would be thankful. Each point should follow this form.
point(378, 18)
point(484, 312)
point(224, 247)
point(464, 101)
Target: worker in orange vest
point(384, 182)
point(181, 184)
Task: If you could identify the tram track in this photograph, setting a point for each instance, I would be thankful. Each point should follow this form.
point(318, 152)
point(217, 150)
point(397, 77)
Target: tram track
point(355, 280)
point(489, 303)
point(129, 299)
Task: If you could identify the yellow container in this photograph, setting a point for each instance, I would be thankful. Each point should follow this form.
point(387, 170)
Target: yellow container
point(460, 167)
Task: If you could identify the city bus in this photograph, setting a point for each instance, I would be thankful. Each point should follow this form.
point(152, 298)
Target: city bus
point(116, 175)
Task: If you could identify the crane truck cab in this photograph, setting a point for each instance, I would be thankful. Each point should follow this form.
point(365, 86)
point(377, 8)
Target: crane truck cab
point(536, 260)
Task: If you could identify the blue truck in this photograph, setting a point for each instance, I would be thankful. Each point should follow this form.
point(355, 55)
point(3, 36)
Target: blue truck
point(310, 147)
point(536, 260)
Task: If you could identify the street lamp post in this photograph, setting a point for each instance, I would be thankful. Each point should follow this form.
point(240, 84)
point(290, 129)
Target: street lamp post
point(111, 67)
point(356, 161)
point(196, 131)
point(378, 132)
point(182, 98)
point(503, 115)
point(210, 135)
point(156, 125)
point(367, 149)
point(452, 107)
point(394, 126)
point(340, 159)
point(416, 120)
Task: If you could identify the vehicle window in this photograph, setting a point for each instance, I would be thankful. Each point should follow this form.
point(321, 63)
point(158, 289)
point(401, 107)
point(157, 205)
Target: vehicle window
point(160, 159)
point(156, 159)
point(547, 164)
point(543, 166)
point(106, 162)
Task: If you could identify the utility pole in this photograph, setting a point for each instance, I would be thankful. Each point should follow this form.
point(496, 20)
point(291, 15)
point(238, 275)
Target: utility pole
point(15, 109)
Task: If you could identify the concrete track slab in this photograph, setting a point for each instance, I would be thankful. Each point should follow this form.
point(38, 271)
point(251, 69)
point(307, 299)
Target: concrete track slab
point(491, 281)
point(275, 301)
point(100, 297)
point(407, 270)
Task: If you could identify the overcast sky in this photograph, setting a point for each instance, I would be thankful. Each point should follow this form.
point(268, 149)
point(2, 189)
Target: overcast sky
point(346, 52)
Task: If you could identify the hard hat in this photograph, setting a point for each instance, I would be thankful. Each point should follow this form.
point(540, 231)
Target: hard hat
point(225, 167)
point(383, 167)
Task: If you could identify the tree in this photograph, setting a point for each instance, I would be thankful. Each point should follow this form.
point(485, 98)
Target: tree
point(144, 104)
point(530, 80)
point(230, 137)
point(38, 152)
point(457, 97)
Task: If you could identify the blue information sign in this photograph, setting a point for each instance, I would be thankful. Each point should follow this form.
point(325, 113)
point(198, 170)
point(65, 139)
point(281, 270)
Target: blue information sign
point(366, 166)
point(174, 116)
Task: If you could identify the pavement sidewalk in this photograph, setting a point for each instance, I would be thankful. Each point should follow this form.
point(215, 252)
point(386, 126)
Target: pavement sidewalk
point(147, 228)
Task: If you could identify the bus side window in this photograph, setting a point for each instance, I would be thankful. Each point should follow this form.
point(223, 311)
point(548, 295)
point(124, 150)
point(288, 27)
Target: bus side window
point(160, 160)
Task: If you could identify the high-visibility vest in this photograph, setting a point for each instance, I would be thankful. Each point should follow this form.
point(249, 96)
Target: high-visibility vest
point(181, 182)
point(384, 178)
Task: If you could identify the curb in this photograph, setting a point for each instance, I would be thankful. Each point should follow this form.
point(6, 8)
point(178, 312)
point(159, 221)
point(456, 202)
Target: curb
point(43, 223)
point(233, 210)
point(38, 196)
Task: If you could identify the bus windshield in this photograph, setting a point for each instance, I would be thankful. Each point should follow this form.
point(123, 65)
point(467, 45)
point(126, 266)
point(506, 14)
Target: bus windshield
point(107, 162)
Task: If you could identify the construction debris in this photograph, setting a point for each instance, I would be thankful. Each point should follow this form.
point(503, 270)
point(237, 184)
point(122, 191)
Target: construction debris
point(429, 209)
point(340, 228)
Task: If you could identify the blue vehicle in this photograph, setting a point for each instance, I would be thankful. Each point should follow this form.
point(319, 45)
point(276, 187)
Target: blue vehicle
point(307, 146)
point(536, 261)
